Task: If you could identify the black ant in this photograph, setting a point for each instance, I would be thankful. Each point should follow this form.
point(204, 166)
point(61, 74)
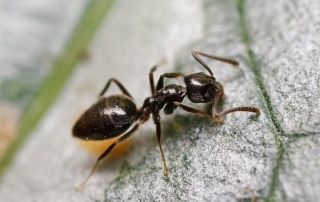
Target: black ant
point(117, 115)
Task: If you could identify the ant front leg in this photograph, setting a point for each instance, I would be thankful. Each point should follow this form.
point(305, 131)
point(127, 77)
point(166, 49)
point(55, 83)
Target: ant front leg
point(197, 111)
point(122, 88)
point(235, 109)
point(219, 88)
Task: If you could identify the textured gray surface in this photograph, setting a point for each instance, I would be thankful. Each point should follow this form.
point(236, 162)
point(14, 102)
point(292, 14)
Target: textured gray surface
point(272, 157)
point(208, 162)
point(50, 164)
point(287, 53)
point(32, 33)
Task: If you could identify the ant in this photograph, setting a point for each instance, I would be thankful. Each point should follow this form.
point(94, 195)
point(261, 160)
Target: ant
point(118, 116)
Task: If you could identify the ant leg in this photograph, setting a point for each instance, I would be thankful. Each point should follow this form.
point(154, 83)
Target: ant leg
point(239, 109)
point(235, 109)
point(156, 119)
point(197, 111)
point(151, 80)
point(153, 69)
point(196, 54)
point(167, 75)
point(216, 116)
point(106, 152)
point(122, 88)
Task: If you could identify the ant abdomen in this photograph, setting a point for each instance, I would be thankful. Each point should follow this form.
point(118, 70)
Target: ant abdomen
point(107, 118)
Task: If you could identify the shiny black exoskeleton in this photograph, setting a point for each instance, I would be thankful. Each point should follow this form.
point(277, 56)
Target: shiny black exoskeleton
point(117, 115)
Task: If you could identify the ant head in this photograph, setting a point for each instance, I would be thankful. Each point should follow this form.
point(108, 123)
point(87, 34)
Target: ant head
point(201, 88)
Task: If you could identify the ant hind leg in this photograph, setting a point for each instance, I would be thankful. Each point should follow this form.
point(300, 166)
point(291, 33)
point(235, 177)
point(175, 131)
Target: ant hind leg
point(122, 88)
point(106, 152)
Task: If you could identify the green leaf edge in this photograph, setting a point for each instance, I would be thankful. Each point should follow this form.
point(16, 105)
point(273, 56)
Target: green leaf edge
point(268, 108)
point(62, 67)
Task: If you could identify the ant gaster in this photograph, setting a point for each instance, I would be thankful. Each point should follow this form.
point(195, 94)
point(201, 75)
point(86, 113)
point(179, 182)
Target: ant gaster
point(117, 115)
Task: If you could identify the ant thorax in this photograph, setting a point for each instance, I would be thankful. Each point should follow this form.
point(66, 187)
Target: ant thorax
point(166, 95)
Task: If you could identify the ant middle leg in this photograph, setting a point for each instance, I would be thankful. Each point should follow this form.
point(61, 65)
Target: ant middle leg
point(151, 80)
point(156, 118)
point(167, 75)
point(122, 88)
point(160, 81)
point(153, 69)
point(106, 152)
point(217, 116)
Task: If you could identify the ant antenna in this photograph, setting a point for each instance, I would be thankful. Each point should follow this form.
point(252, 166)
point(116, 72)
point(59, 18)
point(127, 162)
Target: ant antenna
point(196, 54)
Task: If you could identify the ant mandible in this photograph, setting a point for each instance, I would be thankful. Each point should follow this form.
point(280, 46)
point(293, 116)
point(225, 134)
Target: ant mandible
point(117, 115)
